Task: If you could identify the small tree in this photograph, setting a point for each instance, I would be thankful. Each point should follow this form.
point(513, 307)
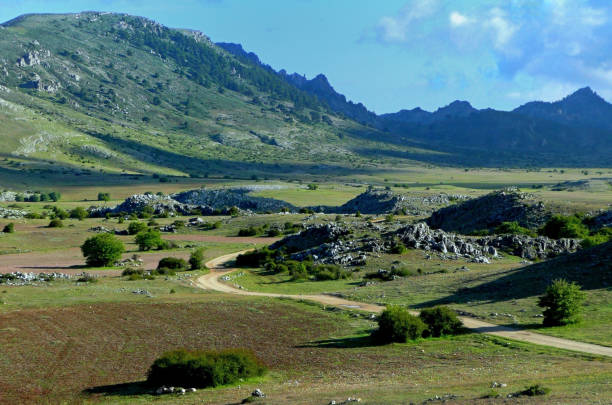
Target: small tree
point(56, 223)
point(148, 240)
point(79, 213)
point(104, 197)
point(196, 259)
point(440, 321)
point(136, 227)
point(172, 263)
point(9, 228)
point(102, 250)
point(562, 301)
point(396, 324)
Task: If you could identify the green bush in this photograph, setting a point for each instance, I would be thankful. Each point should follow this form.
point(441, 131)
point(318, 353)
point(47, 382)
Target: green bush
point(131, 271)
point(204, 369)
point(390, 274)
point(104, 197)
point(56, 223)
point(560, 226)
point(250, 231)
point(59, 213)
point(87, 278)
point(562, 301)
point(102, 250)
point(440, 321)
point(196, 259)
point(513, 228)
point(597, 238)
point(172, 263)
point(329, 272)
point(396, 324)
point(9, 228)
point(79, 213)
point(149, 240)
point(136, 227)
point(255, 258)
point(398, 248)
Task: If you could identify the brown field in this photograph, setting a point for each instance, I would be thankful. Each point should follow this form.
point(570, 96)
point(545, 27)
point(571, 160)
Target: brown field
point(53, 355)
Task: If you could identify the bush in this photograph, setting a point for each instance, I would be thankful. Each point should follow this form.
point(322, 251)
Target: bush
point(151, 239)
point(534, 390)
point(513, 228)
point(562, 301)
point(136, 227)
point(330, 272)
point(255, 258)
point(440, 321)
point(132, 271)
point(79, 213)
point(104, 197)
point(172, 263)
point(87, 278)
point(196, 259)
point(250, 231)
point(9, 228)
point(602, 236)
point(204, 369)
point(398, 248)
point(59, 213)
point(560, 226)
point(56, 223)
point(102, 250)
point(389, 275)
point(55, 196)
point(396, 324)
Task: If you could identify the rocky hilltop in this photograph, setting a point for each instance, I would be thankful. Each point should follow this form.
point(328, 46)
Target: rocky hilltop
point(488, 211)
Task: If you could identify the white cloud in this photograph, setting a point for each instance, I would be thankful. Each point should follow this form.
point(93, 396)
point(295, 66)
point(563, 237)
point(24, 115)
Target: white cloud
point(502, 28)
point(457, 19)
point(398, 28)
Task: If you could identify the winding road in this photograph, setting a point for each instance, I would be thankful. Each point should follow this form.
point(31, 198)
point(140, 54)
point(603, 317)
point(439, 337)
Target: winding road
point(218, 268)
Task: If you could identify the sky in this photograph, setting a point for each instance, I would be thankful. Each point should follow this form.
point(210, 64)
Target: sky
point(402, 54)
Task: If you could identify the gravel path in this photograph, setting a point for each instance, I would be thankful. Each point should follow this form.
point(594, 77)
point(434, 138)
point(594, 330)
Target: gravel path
point(218, 268)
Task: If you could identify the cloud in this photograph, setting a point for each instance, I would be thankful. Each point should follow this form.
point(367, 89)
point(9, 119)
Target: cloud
point(545, 45)
point(457, 19)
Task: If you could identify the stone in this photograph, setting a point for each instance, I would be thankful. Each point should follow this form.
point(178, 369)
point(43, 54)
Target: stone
point(258, 393)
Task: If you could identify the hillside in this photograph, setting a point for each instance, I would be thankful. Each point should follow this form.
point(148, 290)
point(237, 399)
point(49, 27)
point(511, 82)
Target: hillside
point(123, 94)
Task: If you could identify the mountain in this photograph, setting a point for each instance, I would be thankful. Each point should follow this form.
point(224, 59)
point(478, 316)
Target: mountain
point(94, 93)
point(584, 108)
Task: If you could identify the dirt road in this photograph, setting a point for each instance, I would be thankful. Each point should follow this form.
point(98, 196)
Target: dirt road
point(218, 268)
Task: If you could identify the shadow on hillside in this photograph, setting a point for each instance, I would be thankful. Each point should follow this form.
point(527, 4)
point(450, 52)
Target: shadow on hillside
point(199, 166)
point(342, 343)
point(590, 268)
point(126, 389)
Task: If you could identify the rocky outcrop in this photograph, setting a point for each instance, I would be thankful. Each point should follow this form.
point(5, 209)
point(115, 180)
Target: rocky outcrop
point(385, 202)
point(139, 202)
point(311, 237)
point(10, 213)
point(32, 58)
point(420, 236)
point(486, 212)
point(236, 197)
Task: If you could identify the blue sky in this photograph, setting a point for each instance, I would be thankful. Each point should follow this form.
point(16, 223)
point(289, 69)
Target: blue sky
point(395, 54)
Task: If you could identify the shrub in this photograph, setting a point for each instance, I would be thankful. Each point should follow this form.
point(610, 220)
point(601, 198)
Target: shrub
point(131, 271)
point(136, 227)
point(389, 275)
point(87, 278)
point(148, 240)
point(56, 223)
point(196, 259)
point(255, 258)
point(59, 213)
point(562, 301)
point(172, 263)
point(250, 231)
point(204, 369)
point(102, 250)
point(273, 232)
point(560, 226)
point(398, 248)
point(9, 228)
point(104, 197)
point(513, 228)
point(396, 324)
point(440, 321)
point(602, 236)
point(54, 196)
point(534, 390)
point(312, 187)
point(329, 272)
point(79, 213)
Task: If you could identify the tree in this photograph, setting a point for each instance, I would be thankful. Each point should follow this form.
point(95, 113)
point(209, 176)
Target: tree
point(55, 196)
point(440, 321)
point(562, 301)
point(9, 228)
point(102, 250)
point(148, 240)
point(136, 227)
point(196, 259)
point(396, 324)
point(560, 226)
point(79, 213)
point(104, 197)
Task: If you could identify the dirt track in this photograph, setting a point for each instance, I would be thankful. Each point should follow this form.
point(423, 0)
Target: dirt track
point(211, 282)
